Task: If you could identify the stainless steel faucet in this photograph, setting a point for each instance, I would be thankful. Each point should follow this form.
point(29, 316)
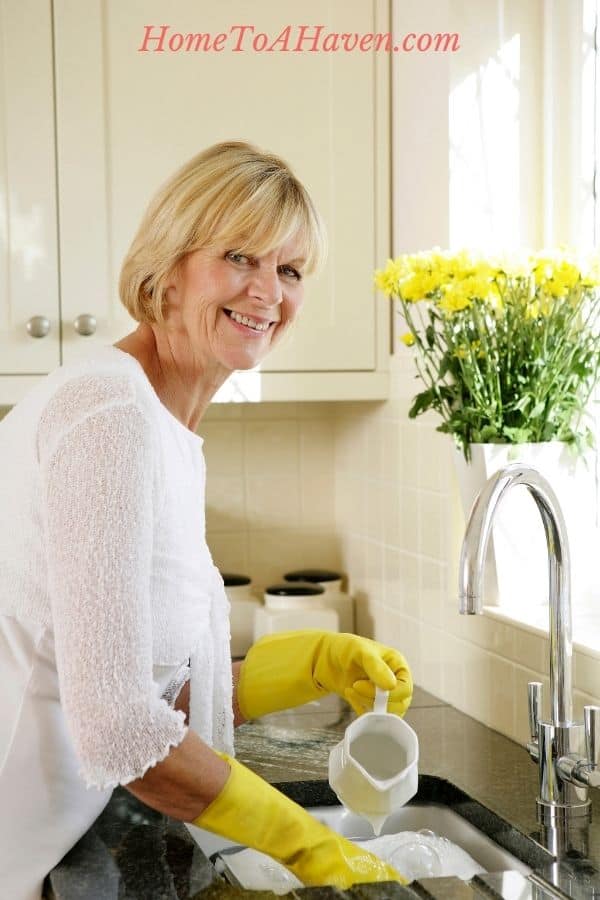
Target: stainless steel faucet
point(567, 752)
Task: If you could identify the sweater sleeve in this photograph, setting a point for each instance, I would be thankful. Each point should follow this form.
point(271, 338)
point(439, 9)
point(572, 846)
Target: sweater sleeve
point(98, 479)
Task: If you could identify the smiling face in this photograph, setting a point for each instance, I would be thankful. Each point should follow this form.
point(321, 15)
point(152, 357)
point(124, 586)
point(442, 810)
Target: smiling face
point(235, 308)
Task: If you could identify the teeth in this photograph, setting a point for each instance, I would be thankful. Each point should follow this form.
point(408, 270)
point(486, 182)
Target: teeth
point(245, 320)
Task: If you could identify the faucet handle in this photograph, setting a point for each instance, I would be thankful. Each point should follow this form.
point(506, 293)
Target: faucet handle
point(534, 696)
point(591, 721)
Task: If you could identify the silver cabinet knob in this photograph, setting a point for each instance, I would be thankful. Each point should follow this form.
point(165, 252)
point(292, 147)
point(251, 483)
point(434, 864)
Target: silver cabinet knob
point(38, 326)
point(85, 324)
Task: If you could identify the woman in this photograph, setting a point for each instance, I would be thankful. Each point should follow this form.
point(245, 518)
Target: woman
point(113, 618)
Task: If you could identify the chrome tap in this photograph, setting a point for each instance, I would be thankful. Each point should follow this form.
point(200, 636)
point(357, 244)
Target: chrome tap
point(567, 752)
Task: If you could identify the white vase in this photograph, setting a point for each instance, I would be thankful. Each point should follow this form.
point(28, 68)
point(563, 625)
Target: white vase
point(517, 561)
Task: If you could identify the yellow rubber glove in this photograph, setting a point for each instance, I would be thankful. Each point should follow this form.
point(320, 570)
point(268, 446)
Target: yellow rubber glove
point(293, 667)
point(251, 812)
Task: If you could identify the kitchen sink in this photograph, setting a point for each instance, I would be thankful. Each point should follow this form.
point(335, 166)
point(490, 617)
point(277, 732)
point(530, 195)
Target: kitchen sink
point(436, 817)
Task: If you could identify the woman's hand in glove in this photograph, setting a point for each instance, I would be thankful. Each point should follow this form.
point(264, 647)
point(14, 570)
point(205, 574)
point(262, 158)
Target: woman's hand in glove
point(287, 669)
point(252, 812)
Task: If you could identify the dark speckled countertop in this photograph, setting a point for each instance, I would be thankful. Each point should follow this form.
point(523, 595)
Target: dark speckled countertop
point(134, 853)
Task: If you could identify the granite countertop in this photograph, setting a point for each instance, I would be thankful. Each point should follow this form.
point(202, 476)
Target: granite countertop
point(135, 853)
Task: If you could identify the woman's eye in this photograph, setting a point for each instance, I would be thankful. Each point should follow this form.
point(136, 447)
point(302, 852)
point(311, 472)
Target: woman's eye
point(290, 270)
point(237, 257)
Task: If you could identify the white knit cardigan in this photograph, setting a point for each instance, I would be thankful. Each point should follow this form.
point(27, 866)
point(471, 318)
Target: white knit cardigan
point(102, 540)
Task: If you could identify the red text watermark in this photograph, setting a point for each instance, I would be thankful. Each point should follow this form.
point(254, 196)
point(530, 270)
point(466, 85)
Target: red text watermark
point(294, 39)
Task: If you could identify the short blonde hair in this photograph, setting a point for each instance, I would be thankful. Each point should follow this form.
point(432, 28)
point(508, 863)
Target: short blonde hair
point(231, 194)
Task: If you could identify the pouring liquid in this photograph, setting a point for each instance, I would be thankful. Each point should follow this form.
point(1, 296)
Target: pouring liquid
point(383, 758)
point(375, 772)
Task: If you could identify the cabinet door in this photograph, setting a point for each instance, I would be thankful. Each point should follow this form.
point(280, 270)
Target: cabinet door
point(28, 240)
point(126, 119)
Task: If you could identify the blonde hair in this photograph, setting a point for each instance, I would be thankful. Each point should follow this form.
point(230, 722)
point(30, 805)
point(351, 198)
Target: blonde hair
point(231, 194)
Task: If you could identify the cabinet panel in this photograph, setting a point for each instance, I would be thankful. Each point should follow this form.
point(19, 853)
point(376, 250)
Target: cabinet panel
point(126, 119)
point(28, 232)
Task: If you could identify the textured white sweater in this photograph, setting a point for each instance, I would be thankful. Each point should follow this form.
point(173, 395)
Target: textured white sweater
point(107, 586)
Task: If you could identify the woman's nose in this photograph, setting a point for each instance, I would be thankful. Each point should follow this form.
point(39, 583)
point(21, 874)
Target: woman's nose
point(266, 286)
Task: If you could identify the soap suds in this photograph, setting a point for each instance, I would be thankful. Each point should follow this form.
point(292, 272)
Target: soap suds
point(415, 854)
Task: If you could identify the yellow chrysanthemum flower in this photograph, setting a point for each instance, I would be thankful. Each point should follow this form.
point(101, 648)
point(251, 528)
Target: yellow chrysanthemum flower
point(455, 297)
point(407, 339)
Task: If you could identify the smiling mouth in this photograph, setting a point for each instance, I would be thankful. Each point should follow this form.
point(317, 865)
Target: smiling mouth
point(254, 324)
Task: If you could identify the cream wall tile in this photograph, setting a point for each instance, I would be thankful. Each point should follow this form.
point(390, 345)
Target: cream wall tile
point(587, 673)
point(225, 507)
point(394, 410)
point(531, 650)
point(343, 503)
point(432, 581)
point(364, 617)
point(452, 687)
point(229, 551)
point(316, 546)
point(430, 524)
point(581, 699)
point(390, 441)
point(502, 716)
point(376, 495)
point(409, 578)
point(374, 577)
point(272, 552)
point(272, 448)
point(478, 682)
point(255, 412)
point(491, 634)
point(375, 446)
point(317, 502)
point(430, 653)
point(392, 579)
point(452, 528)
point(431, 459)
point(403, 633)
point(220, 411)
point(409, 512)
point(468, 628)
point(273, 500)
point(354, 560)
point(350, 447)
point(392, 514)
point(358, 498)
point(409, 475)
point(223, 447)
point(316, 448)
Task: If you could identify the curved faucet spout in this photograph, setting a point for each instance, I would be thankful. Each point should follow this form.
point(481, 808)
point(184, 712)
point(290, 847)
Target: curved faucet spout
point(472, 559)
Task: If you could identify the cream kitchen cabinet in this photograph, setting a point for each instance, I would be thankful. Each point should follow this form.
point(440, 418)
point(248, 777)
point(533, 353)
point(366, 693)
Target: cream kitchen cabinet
point(29, 295)
point(125, 118)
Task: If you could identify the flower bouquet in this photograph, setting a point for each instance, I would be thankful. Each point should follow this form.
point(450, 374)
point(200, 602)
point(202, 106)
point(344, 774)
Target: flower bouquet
point(508, 351)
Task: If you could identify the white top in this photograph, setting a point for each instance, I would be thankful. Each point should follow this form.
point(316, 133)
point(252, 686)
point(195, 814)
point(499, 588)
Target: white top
point(109, 599)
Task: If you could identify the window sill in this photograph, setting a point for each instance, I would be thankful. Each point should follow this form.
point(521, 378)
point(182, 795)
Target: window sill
point(586, 624)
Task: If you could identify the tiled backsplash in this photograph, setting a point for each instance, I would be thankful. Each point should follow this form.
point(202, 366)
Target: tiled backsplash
point(270, 488)
point(400, 524)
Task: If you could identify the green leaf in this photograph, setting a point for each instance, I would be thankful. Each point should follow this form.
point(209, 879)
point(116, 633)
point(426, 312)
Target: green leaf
point(537, 410)
point(488, 433)
point(445, 365)
point(517, 435)
point(421, 403)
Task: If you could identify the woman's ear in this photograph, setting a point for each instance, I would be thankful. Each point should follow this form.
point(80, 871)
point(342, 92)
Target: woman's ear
point(171, 285)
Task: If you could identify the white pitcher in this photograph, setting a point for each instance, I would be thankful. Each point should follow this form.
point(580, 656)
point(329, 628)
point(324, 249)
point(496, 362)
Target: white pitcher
point(373, 770)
